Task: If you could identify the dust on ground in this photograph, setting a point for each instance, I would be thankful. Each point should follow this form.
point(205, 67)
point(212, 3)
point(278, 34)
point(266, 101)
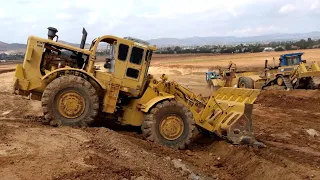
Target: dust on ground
point(31, 150)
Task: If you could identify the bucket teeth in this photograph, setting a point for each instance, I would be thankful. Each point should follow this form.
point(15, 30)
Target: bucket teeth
point(246, 140)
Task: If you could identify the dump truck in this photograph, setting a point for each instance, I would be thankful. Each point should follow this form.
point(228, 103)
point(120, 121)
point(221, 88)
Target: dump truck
point(74, 89)
point(291, 73)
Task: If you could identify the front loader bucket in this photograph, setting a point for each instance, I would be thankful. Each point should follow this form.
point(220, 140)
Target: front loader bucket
point(241, 128)
point(229, 111)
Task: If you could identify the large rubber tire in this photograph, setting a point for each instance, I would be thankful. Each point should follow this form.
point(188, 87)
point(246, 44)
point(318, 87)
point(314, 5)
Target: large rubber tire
point(246, 82)
point(151, 126)
point(67, 84)
point(311, 84)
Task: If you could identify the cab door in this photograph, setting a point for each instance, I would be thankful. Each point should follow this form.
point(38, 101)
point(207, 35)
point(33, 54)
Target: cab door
point(134, 72)
point(122, 53)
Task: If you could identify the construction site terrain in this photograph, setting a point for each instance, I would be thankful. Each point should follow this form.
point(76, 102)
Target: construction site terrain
point(288, 122)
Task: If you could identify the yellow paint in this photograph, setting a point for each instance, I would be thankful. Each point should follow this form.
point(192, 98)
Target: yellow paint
point(73, 69)
point(171, 127)
point(71, 104)
point(146, 107)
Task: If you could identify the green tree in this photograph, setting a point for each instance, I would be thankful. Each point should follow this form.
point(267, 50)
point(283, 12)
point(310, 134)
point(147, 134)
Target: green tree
point(279, 49)
point(288, 47)
point(177, 49)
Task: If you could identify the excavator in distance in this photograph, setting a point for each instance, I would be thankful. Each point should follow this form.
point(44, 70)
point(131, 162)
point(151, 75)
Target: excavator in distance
point(73, 90)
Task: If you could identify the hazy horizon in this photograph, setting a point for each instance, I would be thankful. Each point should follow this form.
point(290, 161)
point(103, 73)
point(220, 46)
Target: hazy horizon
point(151, 20)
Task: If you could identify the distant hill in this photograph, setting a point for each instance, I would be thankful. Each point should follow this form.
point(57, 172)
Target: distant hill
point(192, 41)
point(232, 39)
point(5, 47)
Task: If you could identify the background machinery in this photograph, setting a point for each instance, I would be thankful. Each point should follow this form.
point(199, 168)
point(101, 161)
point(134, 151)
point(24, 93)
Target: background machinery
point(231, 77)
point(73, 90)
point(291, 73)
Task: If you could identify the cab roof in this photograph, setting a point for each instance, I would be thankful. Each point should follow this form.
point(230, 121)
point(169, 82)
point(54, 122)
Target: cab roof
point(292, 54)
point(127, 40)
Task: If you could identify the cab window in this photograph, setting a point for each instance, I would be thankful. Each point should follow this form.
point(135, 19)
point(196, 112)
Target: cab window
point(133, 73)
point(123, 52)
point(136, 55)
point(293, 60)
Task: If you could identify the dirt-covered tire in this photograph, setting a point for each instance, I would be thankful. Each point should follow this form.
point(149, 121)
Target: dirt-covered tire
point(160, 115)
point(311, 84)
point(71, 101)
point(246, 82)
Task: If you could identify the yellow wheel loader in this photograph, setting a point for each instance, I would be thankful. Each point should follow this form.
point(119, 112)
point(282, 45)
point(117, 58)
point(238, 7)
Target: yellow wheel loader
point(73, 90)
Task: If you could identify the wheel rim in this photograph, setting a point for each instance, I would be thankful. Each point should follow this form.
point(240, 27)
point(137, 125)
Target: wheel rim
point(171, 127)
point(71, 104)
point(242, 85)
point(279, 81)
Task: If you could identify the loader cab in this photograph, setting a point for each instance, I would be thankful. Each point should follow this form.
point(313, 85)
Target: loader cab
point(212, 75)
point(290, 59)
point(127, 62)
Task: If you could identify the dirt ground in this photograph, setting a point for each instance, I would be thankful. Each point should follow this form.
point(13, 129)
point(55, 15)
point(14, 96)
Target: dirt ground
point(246, 60)
point(281, 119)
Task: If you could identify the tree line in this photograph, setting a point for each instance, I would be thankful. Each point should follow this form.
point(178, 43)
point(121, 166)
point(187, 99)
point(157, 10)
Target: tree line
point(11, 56)
point(243, 48)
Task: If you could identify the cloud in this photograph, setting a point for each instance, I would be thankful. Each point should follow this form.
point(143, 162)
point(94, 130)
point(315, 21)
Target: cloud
point(93, 18)
point(65, 5)
point(147, 19)
point(63, 16)
point(254, 31)
point(314, 5)
point(29, 19)
point(2, 13)
point(287, 9)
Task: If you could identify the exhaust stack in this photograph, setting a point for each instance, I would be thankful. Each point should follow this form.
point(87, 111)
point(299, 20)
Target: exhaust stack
point(52, 33)
point(84, 38)
point(81, 63)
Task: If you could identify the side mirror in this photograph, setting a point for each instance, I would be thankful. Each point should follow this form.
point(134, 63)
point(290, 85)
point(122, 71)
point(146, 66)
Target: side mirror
point(107, 65)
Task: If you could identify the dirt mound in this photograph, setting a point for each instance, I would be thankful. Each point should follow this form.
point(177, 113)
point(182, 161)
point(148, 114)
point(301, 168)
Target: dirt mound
point(117, 156)
point(6, 82)
point(308, 100)
point(18, 106)
point(4, 130)
point(7, 67)
point(281, 120)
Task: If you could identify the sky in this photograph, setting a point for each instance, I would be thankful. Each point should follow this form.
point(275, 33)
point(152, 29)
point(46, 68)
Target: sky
point(150, 19)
